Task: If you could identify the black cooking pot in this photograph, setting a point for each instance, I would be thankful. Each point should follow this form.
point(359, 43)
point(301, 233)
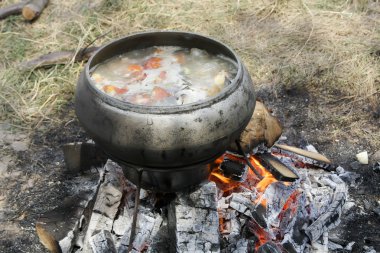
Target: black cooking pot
point(165, 138)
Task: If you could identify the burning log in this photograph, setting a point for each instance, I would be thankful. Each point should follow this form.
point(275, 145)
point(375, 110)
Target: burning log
point(200, 234)
point(106, 204)
point(102, 242)
point(33, 9)
point(60, 57)
point(269, 247)
point(330, 218)
point(147, 228)
point(279, 170)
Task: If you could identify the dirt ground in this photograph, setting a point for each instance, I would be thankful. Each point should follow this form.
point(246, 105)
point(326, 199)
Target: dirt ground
point(35, 180)
point(316, 64)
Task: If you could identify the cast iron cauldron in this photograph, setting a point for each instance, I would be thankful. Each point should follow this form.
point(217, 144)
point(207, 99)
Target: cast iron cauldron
point(170, 138)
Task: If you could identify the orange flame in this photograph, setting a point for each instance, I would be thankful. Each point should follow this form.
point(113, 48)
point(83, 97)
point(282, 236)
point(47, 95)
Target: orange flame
point(253, 183)
point(268, 177)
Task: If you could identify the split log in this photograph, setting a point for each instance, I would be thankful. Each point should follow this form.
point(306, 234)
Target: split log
point(331, 217)
point(33, 9)
point(14, 9)
point(107, 202)
point(195, 235)
point(147, 227)
point(102, 242)
point(60, 57)
point(262, 128)
point(83, 156)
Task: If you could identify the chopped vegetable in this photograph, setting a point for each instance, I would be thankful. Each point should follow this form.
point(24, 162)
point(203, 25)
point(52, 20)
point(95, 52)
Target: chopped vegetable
point(97, 77)
point(153, 63)
point(135, 68)
point(113, 89)
point(220, 78)
point(159, 93)
point(141, 99)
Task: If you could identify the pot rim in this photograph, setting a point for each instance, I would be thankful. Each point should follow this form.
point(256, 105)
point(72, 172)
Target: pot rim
point(165, 109)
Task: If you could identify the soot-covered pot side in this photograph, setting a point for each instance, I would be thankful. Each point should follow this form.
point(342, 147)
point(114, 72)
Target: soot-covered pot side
point(165, 137)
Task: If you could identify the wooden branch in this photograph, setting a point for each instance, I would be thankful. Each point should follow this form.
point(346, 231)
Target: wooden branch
point(14, 9)
point(60, 57)
point(33, 9)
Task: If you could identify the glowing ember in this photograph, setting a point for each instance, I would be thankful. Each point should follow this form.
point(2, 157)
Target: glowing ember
point(253, 184)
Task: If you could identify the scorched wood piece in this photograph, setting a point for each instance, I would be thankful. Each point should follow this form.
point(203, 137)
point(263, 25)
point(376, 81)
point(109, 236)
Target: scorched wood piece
point(83, 156)
point(102, 242)
point(330, 218)
point(278, 169)
point(193, 221)
point(305, 153)
point(60, 57)
point(106, 204)
point(59, 228)
point(33, 9)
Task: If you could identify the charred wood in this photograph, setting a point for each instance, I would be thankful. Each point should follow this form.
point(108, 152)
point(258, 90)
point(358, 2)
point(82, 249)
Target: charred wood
point(193, 221)
point(102, 242)
point(83, 156)
point(330, 218)
point(106, 204)
point(59, 228)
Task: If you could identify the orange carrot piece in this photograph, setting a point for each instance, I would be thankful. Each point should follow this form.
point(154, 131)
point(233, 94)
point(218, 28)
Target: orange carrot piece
point(135, 68)
point(121, 91)
point(159, 93)
point(153, 63)
point(108, 88)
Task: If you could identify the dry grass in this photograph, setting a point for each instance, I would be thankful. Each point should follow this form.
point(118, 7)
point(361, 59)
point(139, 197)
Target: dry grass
point(327, 46)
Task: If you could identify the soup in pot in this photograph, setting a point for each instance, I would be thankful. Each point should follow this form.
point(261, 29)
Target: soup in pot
point(164, 76)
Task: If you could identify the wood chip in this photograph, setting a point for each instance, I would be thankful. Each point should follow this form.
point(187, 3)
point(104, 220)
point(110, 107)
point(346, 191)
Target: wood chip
point(305, 153)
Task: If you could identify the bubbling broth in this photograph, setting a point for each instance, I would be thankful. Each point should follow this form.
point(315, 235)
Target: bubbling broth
point(164, 76)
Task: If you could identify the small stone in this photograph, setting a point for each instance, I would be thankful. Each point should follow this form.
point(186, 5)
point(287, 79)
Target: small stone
point(340, 170)
point(376, 167)
point(348, 205)
point(375, 157)
point(334, 246)
point(355, 165)
point(362, 157)
point(377, 210)
point(311, 148)
point(349, 246)
point(19, 146)
point(367, 204)
point(369, 249)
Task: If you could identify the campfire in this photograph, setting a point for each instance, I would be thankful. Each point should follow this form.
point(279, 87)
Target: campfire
point(205, 176)
point(243, 207)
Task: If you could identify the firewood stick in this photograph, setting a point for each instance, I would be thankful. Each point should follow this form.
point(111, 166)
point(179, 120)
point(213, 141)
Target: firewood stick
point(13, 9)
point(33, 9)
point(60, 57)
